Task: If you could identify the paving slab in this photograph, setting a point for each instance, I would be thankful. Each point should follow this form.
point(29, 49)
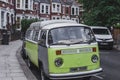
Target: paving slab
point(10, 68)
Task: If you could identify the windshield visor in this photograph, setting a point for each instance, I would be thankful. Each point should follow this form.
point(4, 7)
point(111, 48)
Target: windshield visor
point(69, 35)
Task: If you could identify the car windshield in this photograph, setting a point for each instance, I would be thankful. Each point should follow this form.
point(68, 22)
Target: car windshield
point(101, 31)
point(69, 35)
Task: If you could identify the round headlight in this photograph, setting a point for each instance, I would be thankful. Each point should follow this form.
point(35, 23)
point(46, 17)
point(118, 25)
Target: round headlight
point(94, 58)
point(58, 62)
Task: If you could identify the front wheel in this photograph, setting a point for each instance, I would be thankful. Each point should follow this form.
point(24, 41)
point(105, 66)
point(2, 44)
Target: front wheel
point(42, 75)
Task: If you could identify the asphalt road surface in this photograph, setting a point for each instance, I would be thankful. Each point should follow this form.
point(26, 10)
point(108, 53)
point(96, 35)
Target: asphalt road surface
point(110, 62)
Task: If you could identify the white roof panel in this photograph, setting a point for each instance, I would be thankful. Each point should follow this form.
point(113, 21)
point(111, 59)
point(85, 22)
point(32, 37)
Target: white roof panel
point(56, 25)
point(40, 24)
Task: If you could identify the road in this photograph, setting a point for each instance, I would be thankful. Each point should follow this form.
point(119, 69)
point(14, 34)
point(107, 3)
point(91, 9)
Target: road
point(109, 62)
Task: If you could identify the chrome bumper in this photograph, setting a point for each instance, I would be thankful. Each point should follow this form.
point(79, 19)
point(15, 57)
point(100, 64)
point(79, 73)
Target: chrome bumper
point(76, 74)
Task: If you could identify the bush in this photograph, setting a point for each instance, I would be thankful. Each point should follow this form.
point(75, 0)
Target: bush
point(25, 24)
point(117, 25)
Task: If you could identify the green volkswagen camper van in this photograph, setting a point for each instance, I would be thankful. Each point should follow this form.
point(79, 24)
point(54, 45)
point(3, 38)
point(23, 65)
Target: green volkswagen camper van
point(62, 49)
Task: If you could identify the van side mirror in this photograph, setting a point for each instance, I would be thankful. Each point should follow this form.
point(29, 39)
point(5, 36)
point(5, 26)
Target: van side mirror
point(40, 42)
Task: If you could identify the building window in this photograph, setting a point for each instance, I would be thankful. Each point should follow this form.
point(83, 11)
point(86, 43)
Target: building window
point(47, 9)
point(53, 6)
point(18, 22)
point(76, 11)
point(23, 5)
point(12, 19)
point(58, 18)
point(31, 4)
point(18, 3)
point(67, 10)
point(58, 8)
point(42, 8)
point(2, 19)
point(53, 18)
point(26, 4)
point(72, 11)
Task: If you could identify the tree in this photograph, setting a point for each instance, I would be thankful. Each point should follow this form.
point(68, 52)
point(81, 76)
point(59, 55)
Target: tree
point(101, 12)
point(25, 24)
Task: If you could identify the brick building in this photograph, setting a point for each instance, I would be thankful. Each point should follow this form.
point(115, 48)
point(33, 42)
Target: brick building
point(13, 11)
point(26, 9)
point(7, 16)
point(59, 9)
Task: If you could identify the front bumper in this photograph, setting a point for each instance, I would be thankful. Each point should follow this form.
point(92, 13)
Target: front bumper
point(76, 74)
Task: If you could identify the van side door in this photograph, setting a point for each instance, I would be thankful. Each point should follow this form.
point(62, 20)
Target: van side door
point(43, 50)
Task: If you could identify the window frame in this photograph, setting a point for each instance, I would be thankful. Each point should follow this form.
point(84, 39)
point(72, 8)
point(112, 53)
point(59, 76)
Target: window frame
point(36, 35)
point(43, 41)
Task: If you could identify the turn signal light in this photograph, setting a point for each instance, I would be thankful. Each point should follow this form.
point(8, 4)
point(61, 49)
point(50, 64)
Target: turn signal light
point(94, 49)
point(58, 52)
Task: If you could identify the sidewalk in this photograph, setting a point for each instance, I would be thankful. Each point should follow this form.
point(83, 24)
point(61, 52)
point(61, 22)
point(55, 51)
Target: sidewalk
point(117, 47)
point(10, 68)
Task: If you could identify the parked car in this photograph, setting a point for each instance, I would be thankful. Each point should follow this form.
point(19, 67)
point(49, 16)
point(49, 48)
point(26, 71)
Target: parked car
point(103, 36)
point(62, 49)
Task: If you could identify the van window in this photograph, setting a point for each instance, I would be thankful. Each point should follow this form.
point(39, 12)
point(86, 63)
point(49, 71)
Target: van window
point(68, 35)
point(88, 34)
point(43, 37)
point(28, 33)
point(101, 31)
point(35, 35)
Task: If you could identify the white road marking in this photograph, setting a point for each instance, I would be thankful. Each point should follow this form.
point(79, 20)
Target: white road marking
point(99, 77)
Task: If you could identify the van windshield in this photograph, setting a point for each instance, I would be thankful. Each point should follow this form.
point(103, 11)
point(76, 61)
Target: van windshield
point(101, 31)
point(69, 35)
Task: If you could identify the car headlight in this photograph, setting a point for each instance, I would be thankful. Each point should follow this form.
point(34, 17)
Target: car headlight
point(58, 62)
point(94, 58)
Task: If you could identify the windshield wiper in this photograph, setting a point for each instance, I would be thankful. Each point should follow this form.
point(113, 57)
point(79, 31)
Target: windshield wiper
point(79, 42)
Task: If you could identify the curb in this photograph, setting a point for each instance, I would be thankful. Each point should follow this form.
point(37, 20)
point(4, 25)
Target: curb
point(117, 47)
point(29, 75)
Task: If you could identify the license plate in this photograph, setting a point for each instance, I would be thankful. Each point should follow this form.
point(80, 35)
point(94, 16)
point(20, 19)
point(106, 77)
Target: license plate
point(77, 69)
point(104, 43)
point(74, 51)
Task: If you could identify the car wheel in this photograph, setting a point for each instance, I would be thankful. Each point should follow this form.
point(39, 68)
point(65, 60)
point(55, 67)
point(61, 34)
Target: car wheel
point(29, 63)
point(42, 75)
point(23, 53)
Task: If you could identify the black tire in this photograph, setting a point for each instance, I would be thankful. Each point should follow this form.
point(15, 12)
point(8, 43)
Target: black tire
point(42, 75)
point(29, 63)
point(23, 53)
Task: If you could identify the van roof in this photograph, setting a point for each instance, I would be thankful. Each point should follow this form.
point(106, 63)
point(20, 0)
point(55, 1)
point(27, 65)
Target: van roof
point(98, 27)
point(41, 24)
point(56, 25)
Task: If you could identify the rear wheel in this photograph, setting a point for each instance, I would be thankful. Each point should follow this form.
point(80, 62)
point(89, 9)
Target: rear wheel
point(23, 53)
point(29, 63)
